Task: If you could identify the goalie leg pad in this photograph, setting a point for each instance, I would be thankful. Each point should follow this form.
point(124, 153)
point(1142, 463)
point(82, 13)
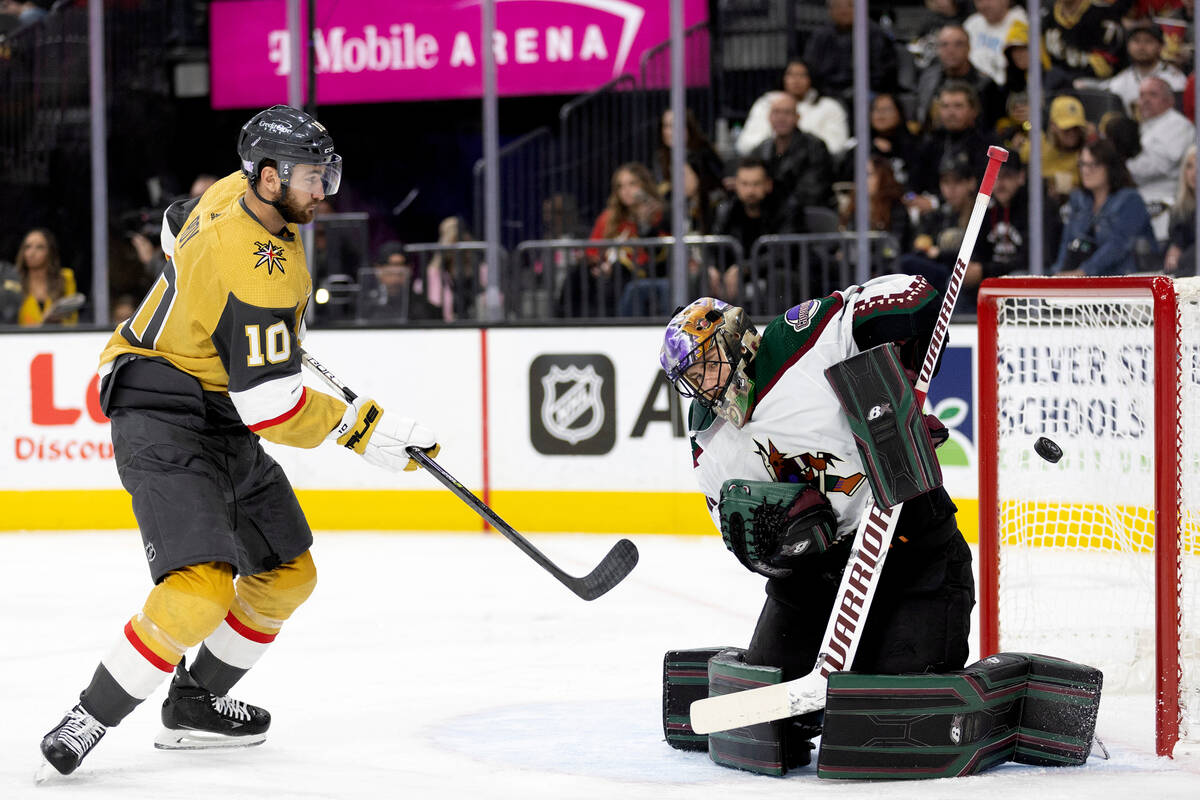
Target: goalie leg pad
point(1062, 700)
point(1010, 706)
point(685, 680)
point(754, 748)
point(888, 426)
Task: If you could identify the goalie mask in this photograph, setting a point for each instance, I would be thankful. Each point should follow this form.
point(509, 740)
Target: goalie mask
point(705, 352)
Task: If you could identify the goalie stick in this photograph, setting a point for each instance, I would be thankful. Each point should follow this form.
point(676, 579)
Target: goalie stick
point(861, 576)
point(618, 563)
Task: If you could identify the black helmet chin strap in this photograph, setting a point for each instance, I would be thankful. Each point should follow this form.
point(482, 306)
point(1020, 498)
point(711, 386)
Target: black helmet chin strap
point(277, 204)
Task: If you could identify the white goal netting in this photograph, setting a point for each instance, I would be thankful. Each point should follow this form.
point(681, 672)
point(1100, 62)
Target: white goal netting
point(1077, 571)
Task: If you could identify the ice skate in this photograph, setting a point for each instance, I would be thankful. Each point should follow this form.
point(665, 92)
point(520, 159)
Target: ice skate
point(196, 719)
point(68, 742)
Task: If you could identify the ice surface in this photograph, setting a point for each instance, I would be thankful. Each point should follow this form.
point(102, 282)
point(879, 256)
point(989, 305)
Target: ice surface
point(443, 666)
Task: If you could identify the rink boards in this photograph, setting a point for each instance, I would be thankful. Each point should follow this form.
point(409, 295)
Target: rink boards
point(560, 429)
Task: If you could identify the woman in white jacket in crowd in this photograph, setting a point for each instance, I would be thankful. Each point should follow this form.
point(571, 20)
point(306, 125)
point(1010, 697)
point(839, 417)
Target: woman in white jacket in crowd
point(823, 117)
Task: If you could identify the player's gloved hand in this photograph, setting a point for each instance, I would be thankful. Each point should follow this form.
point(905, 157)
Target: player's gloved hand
point(811, 529)
point(382, 439)
point(769, 526)
point(938, 432)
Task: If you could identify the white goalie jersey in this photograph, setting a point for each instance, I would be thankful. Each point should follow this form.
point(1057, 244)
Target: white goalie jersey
point(796, 430)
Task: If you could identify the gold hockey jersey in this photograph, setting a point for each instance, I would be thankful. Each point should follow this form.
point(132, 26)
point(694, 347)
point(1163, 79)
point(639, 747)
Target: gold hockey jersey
point(228, 310)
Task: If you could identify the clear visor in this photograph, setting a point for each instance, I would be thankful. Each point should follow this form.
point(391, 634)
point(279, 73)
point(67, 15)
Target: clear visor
point(316, 179)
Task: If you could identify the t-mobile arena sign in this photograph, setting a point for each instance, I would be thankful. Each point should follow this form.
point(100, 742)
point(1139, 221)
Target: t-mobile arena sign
point(381, 50)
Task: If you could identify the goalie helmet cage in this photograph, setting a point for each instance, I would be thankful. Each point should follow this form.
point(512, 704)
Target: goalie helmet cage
point(1095, 558)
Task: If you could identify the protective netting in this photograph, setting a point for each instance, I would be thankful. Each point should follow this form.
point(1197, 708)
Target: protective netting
point(1077, 538)
point(1189, 508)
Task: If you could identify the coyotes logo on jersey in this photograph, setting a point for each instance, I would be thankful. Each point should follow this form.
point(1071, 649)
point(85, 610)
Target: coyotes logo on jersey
point(808, 468)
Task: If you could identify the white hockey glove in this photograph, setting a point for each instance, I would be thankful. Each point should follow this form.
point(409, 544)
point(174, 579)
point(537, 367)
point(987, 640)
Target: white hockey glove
point(382, 438)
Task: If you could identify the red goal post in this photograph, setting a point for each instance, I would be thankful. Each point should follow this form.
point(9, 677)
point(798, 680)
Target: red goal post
point(1106, 368)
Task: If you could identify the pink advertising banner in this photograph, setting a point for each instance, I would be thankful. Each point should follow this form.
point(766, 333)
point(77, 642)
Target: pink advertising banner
point(382, 50)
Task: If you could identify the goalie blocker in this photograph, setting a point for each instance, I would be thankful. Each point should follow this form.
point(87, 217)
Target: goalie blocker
point(888, 426)
point(1027, 708)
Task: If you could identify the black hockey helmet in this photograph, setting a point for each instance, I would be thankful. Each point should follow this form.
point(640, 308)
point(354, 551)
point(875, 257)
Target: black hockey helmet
point(288, 137)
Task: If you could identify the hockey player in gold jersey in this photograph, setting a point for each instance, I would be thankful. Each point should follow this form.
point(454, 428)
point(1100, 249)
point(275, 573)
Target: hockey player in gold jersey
point(210, 362)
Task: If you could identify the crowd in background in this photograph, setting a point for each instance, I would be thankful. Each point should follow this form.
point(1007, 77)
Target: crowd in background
point(1118, 167)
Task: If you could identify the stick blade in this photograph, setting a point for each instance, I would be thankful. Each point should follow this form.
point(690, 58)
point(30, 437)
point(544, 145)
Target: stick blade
point(618, 563)
point(739, 709)
point(764, 704)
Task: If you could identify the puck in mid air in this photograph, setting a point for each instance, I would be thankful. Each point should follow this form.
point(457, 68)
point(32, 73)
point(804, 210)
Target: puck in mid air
point(1047, 449)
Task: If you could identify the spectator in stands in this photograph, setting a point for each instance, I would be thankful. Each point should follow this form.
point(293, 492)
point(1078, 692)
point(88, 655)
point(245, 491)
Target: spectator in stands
point(886, 212)
point(455, 279)
point(391, 291)
point(201, 182)
point(560, 218)
point(829, 54)
point(634, 211)
point(1178, 41)
point(959, 132)
point(1166, 135)
point(885, 194)
point(698, 211)
point(988, 29)
point(953, 64)
point(699, 155)
point(798, 162)
point(1016, 58)
point(1106, 218)
point(48, 287)
point(940, 231)
point(1123, 132)
point(23, 12)
point(1003, 244)
point(1181, 247)
point(11, 293)
point(821, 116)
point(941, 13)
point(1081, 39)
point(1144, 43)
point(890, 138)
point(754, 211)
point(123, 307)
point(1062, 141)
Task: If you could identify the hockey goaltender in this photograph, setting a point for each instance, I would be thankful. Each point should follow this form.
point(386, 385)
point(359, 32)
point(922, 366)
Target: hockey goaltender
point(788, 472)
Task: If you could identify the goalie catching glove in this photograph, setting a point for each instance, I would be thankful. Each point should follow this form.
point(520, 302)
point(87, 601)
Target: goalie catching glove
point(383, 439)
point(770, 525)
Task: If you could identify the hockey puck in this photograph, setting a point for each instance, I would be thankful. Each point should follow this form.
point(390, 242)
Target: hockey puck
point(1047, 449)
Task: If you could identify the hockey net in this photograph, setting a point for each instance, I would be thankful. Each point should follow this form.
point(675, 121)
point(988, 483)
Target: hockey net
point(1096, 558)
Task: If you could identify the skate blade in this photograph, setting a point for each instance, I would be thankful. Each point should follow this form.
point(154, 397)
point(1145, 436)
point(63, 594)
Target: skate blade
point(170, 739)
point(46, 773)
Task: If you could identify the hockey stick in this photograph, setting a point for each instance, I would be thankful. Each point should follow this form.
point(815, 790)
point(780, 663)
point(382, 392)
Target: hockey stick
point(871, 542)
point(618, 563)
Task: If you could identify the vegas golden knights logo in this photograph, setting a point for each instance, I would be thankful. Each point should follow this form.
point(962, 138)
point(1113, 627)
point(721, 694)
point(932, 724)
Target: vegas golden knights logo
point(271, 255)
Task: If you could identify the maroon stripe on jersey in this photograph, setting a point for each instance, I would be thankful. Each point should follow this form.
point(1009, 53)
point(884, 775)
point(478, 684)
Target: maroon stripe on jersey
point(145, 651)
point(248, 633)
point(285, 416)
point(830, 314)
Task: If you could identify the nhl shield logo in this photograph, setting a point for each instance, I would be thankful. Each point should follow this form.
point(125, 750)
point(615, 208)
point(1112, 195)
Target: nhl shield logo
point(571, 405)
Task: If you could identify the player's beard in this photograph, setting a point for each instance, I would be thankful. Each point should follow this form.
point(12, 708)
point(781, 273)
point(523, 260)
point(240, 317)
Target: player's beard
point(293, 211)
